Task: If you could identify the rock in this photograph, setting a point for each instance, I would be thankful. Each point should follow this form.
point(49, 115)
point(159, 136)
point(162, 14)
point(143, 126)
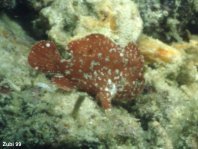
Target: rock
point(155, 50)
point(169, 20)
point(118, 20)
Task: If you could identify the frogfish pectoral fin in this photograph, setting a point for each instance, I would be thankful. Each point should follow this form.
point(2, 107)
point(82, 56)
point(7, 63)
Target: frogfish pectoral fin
point(45, 57)
point(105, 100)
point(63, 83)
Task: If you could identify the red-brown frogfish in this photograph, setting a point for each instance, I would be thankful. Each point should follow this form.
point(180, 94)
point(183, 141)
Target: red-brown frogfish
point(97, 66)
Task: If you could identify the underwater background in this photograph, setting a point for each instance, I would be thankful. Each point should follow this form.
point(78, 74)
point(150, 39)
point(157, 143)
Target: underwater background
point(35, 113)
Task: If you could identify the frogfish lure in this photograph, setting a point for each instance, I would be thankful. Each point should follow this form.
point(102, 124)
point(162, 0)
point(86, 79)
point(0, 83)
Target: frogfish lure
point(97, 66)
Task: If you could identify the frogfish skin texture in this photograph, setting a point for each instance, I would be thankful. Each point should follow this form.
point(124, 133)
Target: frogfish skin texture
point(97, 66)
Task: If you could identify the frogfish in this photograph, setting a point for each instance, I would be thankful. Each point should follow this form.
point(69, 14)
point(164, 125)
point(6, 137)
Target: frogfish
point(97, 65)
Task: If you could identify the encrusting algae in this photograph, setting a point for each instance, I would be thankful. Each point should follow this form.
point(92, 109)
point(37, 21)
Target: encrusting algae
point(155, 50)
point(97, 66)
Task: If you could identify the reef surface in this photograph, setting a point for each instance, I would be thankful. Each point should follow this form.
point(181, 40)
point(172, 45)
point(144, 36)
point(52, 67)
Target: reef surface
point(38, 114)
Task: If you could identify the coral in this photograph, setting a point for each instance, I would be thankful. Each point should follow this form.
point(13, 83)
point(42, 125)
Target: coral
point(169, 20)
point(156, 51)
point(67, 20)
point(13, 70)
point(98, 66)
point(168, 108)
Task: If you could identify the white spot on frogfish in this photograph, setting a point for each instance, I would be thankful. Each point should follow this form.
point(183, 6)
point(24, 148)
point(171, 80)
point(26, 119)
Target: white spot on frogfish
point(47, 45)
